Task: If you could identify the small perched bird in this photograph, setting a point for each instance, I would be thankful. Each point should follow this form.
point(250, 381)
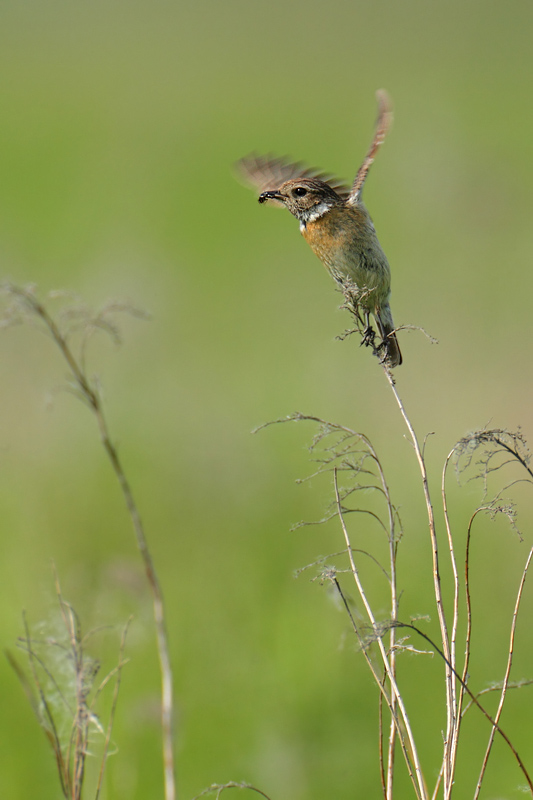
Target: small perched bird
point(337, 226)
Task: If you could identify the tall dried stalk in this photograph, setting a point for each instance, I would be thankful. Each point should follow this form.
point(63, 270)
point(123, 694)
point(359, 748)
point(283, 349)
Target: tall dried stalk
point(352, 454)
point(64, 694)
point(456, 686)
point(395, 699)
point(345, 453)
point(26, 306)
point(448, 655)
point(492, 444)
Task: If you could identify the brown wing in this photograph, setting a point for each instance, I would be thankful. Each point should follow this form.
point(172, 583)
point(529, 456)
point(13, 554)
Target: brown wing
point(382, 126)
point(267, 173)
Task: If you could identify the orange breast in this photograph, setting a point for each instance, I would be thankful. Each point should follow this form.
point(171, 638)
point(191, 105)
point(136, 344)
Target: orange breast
point(345, 241)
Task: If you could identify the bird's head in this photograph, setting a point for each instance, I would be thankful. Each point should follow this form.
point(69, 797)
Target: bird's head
point(306, 198)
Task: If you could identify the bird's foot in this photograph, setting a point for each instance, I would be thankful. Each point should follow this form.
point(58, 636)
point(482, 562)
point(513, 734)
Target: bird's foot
point(382, 352)
point(369, 337)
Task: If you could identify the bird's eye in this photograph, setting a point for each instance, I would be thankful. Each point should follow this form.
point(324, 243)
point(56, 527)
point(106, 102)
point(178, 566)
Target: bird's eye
point(300, 191)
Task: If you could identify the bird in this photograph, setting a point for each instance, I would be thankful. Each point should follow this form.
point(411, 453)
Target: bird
point(336, 224)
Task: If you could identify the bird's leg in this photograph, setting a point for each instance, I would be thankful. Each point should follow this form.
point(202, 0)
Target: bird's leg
point(369, 333)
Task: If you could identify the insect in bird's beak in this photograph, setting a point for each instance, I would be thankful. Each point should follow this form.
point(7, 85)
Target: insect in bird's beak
point(271, 195)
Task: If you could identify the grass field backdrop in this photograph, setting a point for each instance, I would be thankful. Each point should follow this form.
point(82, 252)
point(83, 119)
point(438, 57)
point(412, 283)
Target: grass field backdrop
point(119, 127)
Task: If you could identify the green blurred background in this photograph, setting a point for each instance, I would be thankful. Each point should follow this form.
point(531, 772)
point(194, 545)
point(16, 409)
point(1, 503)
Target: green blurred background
point(120, 123)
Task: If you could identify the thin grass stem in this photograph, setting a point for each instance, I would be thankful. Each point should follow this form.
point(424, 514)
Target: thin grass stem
point(416, 774)
point(92, 399)
point(449, 665)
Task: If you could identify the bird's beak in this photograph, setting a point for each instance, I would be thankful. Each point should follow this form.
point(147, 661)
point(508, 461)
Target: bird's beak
point(271, 195)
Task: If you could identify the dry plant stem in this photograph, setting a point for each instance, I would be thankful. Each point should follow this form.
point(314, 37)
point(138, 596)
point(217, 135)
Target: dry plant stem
point(380, 736)
point(418, 781)
point(454, 738)
point(497, 688)
point(506, 676)
point(159, 613)
point(50, 726)
point(91, 397)
point(393, 545)
point(392, 638)
point(450, 682)
point(392, 635)
point(468, 604)
point(475, 702)
point(78, 741)
point(438, 783)
point(468, 635)
point(386, 779)
point(118, 671)
point(71, 756)
point(77, 746)
point(381, 684)
point(514, 454)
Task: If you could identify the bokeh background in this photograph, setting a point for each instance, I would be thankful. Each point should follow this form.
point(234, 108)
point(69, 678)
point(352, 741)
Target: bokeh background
point(120, 124)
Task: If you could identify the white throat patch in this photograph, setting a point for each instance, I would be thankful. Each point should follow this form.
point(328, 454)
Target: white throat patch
point(317, 212)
